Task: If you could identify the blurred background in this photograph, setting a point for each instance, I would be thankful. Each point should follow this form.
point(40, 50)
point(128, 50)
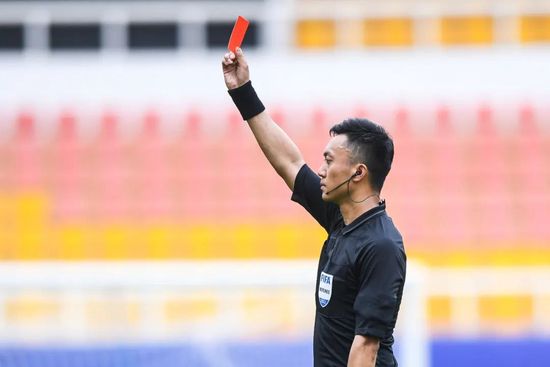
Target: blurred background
point(140, 225)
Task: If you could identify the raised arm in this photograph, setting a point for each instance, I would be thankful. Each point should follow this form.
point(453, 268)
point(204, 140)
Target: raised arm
point(277, 146)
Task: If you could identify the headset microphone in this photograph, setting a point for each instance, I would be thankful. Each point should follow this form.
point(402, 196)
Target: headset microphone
point(345, 182)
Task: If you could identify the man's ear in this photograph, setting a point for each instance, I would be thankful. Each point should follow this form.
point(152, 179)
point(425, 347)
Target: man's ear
point(360, 172)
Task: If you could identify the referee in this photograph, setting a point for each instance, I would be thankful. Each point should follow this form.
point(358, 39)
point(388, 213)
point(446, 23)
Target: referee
point(362, 264)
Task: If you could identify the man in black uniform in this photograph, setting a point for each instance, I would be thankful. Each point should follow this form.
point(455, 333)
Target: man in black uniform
point(362, 265)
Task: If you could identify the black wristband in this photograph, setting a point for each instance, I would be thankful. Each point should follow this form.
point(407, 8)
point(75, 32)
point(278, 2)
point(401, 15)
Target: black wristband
point(246, 100)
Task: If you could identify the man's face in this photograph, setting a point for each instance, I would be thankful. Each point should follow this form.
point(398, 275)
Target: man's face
point(336, 168)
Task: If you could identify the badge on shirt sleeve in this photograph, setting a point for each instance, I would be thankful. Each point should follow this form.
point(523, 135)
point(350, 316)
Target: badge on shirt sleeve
point(325, 289)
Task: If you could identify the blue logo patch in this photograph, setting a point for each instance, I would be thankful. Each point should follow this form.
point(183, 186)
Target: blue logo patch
point(325, 288)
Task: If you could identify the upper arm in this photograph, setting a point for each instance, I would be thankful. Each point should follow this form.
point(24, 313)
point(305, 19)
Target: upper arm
point(381, 277)
point(279, 149)
point(289, 172)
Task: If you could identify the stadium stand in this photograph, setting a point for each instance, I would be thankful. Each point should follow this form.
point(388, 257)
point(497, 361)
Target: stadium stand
point(469, 190)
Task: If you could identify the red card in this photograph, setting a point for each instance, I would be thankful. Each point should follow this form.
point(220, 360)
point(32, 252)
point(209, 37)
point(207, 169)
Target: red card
point(237, 36)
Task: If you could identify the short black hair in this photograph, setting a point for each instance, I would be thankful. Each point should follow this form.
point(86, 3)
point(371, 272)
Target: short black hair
point(370, 144)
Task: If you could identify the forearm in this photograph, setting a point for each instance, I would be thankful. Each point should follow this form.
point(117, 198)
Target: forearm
point(279, 149)
point(363, 352)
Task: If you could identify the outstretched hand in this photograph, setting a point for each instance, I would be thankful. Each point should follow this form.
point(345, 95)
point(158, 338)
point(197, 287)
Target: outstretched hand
point(235, 69)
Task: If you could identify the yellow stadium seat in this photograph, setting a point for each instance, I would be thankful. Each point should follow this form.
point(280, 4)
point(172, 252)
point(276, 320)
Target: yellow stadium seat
point(32, 308)
point(72, 241)
point(388, 32)
point(114, 242)
point(534, 28)
point(201, 238)
point(30, 226)
point(439, 311)
point(466, 30)
point(31, 210)
point(191, 308)
point(246, 242)
point(158, 240)
point(7, 235)
point(316, 33)
point(506, 314)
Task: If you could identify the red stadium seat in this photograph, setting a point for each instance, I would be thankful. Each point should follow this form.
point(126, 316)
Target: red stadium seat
point(530, 154)
point(488, 155)
point(27, 170)
point(405, 184)
point(150, 173)
point(196, 172)
point(445, 177)
point(447, 154)
point(527, 121)
point(312, 139)
point(109, 170)
point(490, 179)
point(67, 129)
point(192, 123)
point(67, 173)
point(406, 167)
point(531, 175)
point(25, 126)
point(151, 124)
point(235, 176)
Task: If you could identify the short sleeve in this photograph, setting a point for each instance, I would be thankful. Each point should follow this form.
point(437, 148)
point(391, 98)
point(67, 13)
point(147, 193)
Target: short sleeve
point(307, 193)
point(381, 270)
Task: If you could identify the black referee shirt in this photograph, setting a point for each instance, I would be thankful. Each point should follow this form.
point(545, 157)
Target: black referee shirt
point(359, 280)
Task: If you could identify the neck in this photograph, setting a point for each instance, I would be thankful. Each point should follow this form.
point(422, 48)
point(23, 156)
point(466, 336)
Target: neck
point(351, 210)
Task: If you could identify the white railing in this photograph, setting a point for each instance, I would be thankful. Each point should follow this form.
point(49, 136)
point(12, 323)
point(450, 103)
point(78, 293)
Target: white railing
point(464, 286)
point(283, 292)
point(245, 299)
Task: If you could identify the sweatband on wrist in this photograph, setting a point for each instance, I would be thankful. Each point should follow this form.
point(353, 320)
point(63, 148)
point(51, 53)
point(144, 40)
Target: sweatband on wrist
point(246, 100)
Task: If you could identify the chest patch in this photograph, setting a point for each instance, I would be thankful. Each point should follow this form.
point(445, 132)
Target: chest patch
point(325, 288)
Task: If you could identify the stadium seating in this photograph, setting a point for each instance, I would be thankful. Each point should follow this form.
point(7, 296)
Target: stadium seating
point(160, 191)
point(197, 187)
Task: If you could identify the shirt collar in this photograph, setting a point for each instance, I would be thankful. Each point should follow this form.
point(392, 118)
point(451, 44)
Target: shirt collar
point(371, 213)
